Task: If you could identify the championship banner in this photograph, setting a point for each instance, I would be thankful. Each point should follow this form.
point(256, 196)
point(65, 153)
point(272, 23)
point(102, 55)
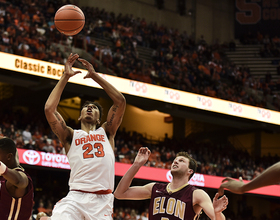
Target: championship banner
point(257, 16)
point(39, 158)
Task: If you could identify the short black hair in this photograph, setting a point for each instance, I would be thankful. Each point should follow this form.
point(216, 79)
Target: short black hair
point(7, 145)
point(97, 105)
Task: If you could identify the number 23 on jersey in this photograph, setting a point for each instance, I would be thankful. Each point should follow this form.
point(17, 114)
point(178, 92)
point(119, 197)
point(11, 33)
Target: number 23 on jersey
point(88, 148)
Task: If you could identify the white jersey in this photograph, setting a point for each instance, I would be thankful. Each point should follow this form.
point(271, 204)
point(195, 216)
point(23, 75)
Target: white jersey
point(92, 161)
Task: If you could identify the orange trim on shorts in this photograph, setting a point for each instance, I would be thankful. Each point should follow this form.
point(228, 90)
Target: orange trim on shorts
point(100, 192)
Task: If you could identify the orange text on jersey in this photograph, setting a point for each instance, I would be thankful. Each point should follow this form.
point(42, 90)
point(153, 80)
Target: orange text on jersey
point(91, 137)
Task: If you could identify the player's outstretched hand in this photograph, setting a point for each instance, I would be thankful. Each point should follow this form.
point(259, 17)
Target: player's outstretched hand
point(142, 156)
point(220, 204)
point(89, 67)
point(231, 185)
point(69, 63)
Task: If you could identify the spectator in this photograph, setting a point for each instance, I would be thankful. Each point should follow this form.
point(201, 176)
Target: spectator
point(26, 135)
point(48, 147)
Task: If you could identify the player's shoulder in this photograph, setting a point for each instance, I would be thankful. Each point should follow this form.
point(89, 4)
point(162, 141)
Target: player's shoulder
point(22, 172)
point(159, 186)
point(20, 169)
point(199, 191)
point(199, 195)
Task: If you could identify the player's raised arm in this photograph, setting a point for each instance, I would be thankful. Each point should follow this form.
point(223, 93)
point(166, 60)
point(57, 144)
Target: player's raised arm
point(268, 177)
point(123, 190)
point(55, 120)
point(116, 112)
point(14, 177)
point(14, 182)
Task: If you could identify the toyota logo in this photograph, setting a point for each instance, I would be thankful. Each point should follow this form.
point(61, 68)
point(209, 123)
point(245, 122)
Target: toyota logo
point(169, 176)
point(31, 157)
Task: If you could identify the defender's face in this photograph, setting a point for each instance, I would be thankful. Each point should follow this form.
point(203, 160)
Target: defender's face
point(90, 112)
point(180, 163)
point(4, 158)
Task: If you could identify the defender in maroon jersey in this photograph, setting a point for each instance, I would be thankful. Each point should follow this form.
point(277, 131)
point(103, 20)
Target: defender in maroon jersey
point(16, 187)
point(176, 200)
point(175, 205)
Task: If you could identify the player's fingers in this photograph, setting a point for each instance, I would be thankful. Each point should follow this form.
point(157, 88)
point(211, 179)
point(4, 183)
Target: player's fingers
point(73, 57)
point(86, 76)
point(226, 201)
point(83, 61)
point(146, 149)
point(224, 198)
point(221, 191)
point(216, 196)
point(227, 179)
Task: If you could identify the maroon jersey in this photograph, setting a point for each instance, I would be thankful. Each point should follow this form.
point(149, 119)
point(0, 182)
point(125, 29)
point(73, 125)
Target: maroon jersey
point(172, 206)
point(12, 208)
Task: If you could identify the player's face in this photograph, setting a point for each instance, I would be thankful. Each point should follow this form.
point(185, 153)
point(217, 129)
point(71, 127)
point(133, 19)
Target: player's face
point(3, 157)
point(180, 165)
point(17, 157)
point(90, 112)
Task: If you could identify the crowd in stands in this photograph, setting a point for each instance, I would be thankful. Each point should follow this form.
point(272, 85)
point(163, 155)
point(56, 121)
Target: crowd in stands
point(213, 159)
point(178, 60)
point(270, 44)
point(218, 159)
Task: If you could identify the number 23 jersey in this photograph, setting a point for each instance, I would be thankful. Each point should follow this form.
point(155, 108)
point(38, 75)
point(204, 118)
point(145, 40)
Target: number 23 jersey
point(92, 161)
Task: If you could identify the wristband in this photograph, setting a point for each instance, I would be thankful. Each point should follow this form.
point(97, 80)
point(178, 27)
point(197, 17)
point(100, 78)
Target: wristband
point(3, 168)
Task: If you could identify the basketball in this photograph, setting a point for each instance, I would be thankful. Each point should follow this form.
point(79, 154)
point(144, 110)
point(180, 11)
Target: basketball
point(69, 20)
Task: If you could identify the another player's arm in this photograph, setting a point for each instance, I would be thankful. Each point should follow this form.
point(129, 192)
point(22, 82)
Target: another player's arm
point(268, 177)
point(116, 112)
point(17, 181)
point(124, 191)
point(202, 199)
point(135, 192)
point(54, 119)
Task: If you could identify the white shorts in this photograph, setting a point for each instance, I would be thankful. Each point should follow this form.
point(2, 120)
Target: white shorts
point(84, 206)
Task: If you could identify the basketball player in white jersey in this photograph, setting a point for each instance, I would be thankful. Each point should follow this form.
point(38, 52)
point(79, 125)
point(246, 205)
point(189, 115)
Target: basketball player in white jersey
point(89, 150)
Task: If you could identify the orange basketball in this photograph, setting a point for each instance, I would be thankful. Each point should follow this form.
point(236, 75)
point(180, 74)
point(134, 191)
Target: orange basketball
point(69, 20)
